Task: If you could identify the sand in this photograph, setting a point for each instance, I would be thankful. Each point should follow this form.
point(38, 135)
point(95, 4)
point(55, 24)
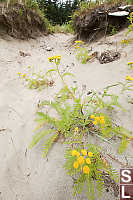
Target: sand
point(24, 173)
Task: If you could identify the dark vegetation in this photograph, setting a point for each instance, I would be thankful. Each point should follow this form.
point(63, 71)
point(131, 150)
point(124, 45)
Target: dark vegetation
point(58, 12)
point(89, 20)
point(92, 20)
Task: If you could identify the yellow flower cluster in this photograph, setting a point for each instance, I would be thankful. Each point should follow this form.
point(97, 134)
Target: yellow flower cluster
point(125, 41)
point(79, 42)
point(130, 63)
point(77, 47)
point(83, 160)
point(129, 78)
point(56, 58)
point(98, 120)
point(75, 153)
point(23, 75)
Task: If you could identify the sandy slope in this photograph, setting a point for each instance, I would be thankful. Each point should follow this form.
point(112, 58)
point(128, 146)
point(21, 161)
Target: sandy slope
point(24, 174)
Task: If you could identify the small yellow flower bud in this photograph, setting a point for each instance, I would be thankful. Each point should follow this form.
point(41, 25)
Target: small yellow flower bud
point(90, 154)
point(86, 169)
point(76, 165)
point(92, 116)
point(95, 122)
point(88, 161)
point(84, 152)
point(80, 160)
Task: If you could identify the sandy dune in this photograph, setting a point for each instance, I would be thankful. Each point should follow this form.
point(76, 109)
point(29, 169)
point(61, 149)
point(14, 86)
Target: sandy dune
point(24, 174)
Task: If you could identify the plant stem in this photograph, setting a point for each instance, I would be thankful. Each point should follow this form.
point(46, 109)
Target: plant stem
point(57, 66)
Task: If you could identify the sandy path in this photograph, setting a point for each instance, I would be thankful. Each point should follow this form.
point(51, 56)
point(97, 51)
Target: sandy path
point(24, 174)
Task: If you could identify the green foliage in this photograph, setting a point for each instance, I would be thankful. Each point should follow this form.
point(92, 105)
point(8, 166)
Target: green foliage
point(93, 176)
point(130, 1)
point(31, 4)
point(64, 28)
point(35, 80)
point(75, 120)
point(21, 12)
point(130, 27)
point(76, 114)
point(58, 12)
point(87, 5)
point(127, 85)
point(82, 54)
point(130, 64)
point(113, 30)
point(100, 102)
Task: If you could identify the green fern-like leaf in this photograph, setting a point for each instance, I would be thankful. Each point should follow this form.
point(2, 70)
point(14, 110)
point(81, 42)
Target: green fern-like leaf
point(39, 136)
point(99, 186)
point(123, 145)
point(67, 74)
point(46, 118)
point(48, 144)
point(50, 71)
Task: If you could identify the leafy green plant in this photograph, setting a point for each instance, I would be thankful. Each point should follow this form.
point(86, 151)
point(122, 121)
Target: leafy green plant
point(21, 12)
point(75, 120)
point(127, 41)
point(64, 28)
point(128, 84)
point(113, 30)
point(130, 27)
point(87, 167)
point(82, 54)
point(130, 1)
point(87, 116)
point(35, 80)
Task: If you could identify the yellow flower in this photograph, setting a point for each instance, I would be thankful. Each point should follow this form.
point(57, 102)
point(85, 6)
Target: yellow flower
point(130, 63)
point(84, 152)
point(24, 75)
point(88, 161)
point(54, 58)
point(77, 47)
point(102, 121)
point(129, 78)
point(79, 42)
point(76, 165)
point(92, 116)
point(19, 73)
point(95, 122)
point(58, 57)
point(75, 153)
point(50, 59)
point(86, 169)
point(90, 154)
point(76, 129)
point(97, 119)
point(101, 117)
point(80, 160)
